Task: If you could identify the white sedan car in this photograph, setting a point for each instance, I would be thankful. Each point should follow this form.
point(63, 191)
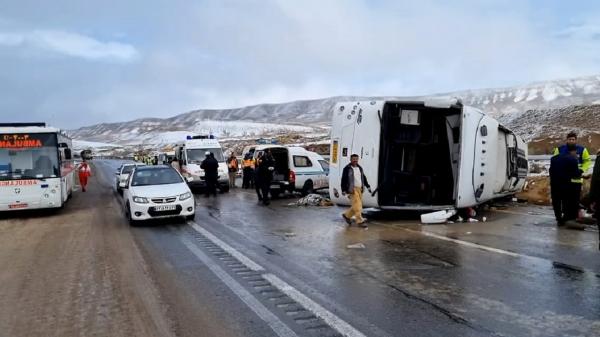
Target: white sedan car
point(123, 174)
point(154, 192)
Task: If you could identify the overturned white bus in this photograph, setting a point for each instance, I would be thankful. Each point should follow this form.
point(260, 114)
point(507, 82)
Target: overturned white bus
point(425, 155)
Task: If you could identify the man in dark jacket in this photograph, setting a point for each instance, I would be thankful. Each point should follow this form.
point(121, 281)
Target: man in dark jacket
point(564, 168)
point(353, 183)
point(595, 193)
point(264, 176)
point(211, 173)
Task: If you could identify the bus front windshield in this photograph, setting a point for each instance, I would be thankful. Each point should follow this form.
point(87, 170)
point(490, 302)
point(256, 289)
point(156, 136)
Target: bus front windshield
point(28, 156)
point(196, 156)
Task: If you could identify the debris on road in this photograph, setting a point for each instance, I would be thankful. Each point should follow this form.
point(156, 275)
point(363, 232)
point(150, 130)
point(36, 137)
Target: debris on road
point(437, 217)
point(356, 246)
point(312, 200)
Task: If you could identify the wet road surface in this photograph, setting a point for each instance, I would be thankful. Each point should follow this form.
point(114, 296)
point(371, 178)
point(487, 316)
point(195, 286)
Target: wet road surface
point(244, 269)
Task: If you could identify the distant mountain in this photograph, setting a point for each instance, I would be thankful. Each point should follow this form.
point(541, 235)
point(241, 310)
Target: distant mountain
point(513, 106)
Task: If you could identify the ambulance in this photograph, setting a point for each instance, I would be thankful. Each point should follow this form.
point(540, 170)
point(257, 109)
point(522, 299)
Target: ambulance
point(425, 155)
point(190, 155)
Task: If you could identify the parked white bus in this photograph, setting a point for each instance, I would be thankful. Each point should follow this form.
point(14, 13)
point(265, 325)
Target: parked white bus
point(36, 167)
point(425, 155)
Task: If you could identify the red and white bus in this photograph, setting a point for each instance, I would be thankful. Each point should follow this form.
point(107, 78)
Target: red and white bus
point(36, 166)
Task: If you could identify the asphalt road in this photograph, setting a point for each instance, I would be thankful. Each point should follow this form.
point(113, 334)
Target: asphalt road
point(244, 269)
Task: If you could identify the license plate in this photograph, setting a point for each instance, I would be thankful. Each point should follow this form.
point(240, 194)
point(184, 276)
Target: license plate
point(165, 208)
point(275, 186)
point(17, 206)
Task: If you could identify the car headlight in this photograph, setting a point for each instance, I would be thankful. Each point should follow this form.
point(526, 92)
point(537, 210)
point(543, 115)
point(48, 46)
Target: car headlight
point(140, 200)
point(185, 196)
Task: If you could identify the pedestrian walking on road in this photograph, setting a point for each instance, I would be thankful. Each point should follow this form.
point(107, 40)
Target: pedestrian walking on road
point(248, 171)
point(595, 193)
point(84, 173)
point(265, 176)
point(211, 173)
point(564, 170)
point(232, 167)
point(353, 183)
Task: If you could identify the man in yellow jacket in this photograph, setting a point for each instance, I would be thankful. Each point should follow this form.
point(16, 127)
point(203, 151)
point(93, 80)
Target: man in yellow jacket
point(248, 171)
point(583, 158)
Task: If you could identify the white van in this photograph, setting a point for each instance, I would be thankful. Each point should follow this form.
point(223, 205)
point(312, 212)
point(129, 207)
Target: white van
point(190, 155)
point(425, 155)
point(296, 169)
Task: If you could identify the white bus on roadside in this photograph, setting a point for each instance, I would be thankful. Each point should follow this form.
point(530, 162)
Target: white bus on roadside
point(190, 155)
point(36, 166)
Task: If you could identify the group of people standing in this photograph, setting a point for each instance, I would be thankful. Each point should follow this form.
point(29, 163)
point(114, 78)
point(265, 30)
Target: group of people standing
point(257, 173)
point(568, 167)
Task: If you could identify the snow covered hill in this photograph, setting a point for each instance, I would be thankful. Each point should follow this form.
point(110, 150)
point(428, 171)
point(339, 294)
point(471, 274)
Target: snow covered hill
point(513, 106)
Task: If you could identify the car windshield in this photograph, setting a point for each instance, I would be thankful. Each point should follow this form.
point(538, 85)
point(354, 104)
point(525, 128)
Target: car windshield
point(35, 158)
point(128, 168)
point(196, 156)
point(156, 176)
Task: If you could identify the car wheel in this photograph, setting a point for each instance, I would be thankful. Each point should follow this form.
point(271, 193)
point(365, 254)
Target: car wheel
point(132, 222)
point(307, 188)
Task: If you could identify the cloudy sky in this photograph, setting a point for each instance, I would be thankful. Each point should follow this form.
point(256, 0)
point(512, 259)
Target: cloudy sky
point(75, 63)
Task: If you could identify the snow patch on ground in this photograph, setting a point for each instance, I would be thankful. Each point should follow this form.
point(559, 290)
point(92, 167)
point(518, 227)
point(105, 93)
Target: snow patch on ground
point(84, 145)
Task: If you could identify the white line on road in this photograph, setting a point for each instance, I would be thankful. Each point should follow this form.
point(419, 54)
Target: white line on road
point(242, 258)
point(466, 243)
point(273, 321)
point(330, 318)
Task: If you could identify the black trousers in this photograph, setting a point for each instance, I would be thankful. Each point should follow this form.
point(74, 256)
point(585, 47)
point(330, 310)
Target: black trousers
point(574, 197)
point(211, 187)
point(265, 188)
point(557, 193)
point(248, 180)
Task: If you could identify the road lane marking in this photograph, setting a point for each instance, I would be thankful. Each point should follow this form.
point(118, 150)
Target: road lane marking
point(239, 256)
point(332, 320)
point(328, 317)
point(468, 244)
point(280, 328)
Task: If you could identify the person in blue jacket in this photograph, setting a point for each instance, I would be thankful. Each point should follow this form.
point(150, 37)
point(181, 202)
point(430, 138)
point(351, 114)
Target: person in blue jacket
point(564, 170)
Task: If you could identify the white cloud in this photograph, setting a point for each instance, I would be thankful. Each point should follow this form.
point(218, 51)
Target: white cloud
point(70, 44)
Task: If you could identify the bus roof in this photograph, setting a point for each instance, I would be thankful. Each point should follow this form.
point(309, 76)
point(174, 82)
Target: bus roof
point(28, 129)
